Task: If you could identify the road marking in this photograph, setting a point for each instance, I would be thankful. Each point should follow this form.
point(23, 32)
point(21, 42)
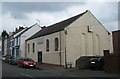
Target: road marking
point(26, 75)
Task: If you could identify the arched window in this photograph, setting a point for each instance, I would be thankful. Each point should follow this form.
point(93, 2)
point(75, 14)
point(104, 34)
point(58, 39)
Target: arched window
point(47, 45)
point(83, 44)
point(56, 44)
point(28, 48)
point(97, 44)
point(33, 47)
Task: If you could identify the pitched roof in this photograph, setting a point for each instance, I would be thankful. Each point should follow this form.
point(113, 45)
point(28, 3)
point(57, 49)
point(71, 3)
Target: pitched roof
point(56, 27)
point(22, 32)
point(26, 30)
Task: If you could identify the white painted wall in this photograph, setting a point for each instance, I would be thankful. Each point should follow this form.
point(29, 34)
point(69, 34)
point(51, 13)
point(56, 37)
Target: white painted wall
point(25, 36)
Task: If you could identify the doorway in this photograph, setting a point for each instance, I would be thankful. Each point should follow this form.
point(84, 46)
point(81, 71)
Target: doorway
point(40, 57)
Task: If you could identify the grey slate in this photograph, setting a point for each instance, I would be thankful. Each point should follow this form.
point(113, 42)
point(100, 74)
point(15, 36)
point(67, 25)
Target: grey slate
point(55, 27)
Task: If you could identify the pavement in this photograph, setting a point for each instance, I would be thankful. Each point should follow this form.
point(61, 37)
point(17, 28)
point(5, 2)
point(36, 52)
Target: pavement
point(75, 72)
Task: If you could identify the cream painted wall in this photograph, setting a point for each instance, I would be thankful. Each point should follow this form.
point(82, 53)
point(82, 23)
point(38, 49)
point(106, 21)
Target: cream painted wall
point(31, 54)
point(53, 57)
point(79, 29)
point(77, 35)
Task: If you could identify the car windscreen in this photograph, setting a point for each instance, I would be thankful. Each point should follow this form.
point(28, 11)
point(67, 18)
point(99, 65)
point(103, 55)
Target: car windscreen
point(27, 59)
point(94, 58)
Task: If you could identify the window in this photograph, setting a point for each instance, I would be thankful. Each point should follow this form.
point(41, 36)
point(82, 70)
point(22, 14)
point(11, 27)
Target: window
point(28, 48)
point(17, 41)
point(33, 47)
point(47, 45)
point(56, 44)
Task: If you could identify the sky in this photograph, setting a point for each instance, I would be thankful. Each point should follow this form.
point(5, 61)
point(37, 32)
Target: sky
point(14, 14)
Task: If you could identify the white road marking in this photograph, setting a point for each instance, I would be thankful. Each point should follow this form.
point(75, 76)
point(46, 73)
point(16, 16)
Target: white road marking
point(26, 75)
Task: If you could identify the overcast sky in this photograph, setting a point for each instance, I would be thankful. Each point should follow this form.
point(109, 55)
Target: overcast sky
point(16, 14)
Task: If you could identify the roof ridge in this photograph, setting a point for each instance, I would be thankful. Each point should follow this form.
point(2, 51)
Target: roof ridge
point(78, 15)
point(57, 26)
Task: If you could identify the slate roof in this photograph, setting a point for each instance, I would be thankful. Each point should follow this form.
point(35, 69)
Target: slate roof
point(55, 27)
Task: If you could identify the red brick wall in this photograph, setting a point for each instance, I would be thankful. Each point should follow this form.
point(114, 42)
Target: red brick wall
point(112, 63)
point(116, 41)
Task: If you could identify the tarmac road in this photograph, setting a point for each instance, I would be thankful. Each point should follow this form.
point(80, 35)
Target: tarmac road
point(14, 71)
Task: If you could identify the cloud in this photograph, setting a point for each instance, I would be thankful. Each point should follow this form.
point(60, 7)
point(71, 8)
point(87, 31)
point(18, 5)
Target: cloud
point(112, 26)
point(0, 17)
point(103, 10)
point(9, 23)
point(61, 0)
point(26, 13)
point(18, 9)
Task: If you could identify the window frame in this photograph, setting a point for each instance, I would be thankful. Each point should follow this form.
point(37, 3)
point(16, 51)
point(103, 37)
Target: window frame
point(47, 45)
point(33, 47)
point(56, 42)
point(28, 48)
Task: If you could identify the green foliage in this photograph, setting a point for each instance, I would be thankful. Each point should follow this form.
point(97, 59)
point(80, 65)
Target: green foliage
point(4, 34)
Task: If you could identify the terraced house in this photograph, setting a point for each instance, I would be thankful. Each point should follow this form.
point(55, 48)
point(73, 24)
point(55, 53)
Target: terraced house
point(18, 40)
point(0, 44)
point(66, 41)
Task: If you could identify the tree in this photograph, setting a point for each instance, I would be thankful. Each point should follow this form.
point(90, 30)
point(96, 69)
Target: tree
point(4, 36)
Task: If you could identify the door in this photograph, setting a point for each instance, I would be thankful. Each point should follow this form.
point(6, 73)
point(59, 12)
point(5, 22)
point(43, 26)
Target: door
point(39, 57)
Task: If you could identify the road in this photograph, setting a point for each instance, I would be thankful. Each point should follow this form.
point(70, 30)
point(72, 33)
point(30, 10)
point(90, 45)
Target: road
point(14, 71)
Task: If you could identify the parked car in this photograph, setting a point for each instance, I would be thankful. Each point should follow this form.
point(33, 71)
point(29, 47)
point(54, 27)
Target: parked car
point(3, 58)
point(8, 58)
point(96, 63)
point(14, 61)
point(26, 62)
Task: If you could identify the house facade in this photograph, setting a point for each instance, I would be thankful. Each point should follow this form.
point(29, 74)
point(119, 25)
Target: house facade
point(66, 41)
point(14, 43)
point(6, 45)
point(19, 40)
point(0, 44)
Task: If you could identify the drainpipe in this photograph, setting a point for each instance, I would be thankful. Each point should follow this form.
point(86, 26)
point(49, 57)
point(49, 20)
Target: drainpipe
point(60, 48)
point(65, 31)
point(25, 48)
